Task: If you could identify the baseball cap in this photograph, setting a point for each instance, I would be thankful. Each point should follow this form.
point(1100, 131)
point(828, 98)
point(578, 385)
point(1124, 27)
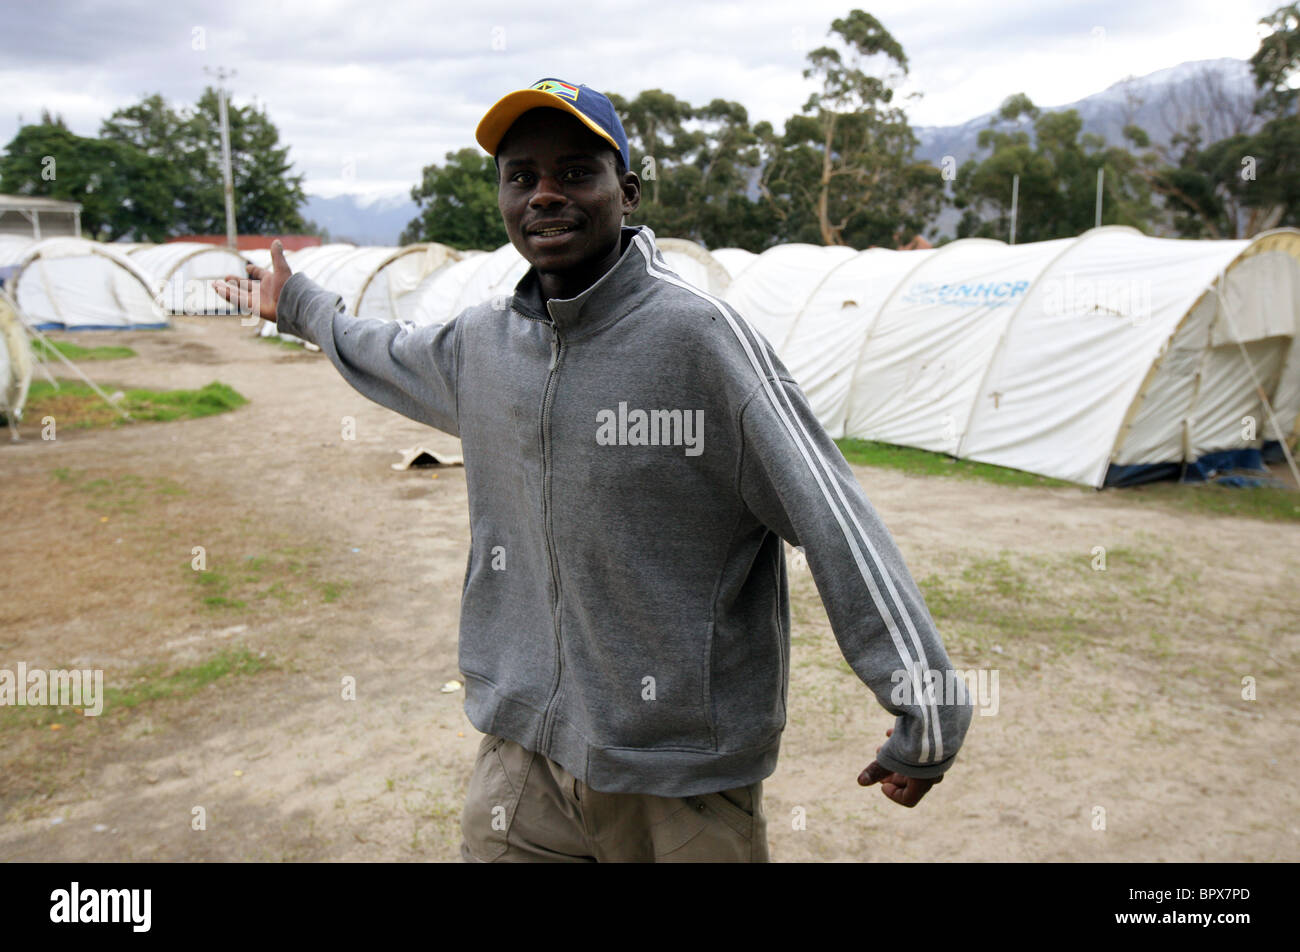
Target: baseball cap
point(594, 110)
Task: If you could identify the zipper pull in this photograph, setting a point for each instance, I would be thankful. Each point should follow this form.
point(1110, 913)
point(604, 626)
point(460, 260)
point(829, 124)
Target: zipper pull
point(555, 348)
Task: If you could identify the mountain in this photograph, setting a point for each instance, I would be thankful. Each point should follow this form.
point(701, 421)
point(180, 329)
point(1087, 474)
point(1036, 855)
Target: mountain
point(361, 220)
point(1216, 93)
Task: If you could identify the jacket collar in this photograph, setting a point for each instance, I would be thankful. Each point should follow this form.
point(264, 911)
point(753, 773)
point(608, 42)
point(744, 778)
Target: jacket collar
point(602, 303)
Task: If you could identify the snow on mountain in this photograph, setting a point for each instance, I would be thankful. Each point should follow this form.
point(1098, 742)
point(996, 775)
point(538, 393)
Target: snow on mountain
point(1217, 94)
point(363, 219)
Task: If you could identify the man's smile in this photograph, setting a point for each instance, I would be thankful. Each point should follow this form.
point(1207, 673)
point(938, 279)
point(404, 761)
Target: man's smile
point(548, 228)
point(549, 233)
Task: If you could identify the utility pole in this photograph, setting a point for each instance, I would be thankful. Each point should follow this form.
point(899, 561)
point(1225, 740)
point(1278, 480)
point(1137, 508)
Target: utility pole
point(1015, 197)
point(1101, 175)
point(222, 75)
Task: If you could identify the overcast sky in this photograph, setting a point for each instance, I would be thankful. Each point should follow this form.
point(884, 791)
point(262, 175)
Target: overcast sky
point(367, 93)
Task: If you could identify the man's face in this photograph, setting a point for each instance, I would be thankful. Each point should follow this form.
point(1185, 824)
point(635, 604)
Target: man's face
point(560, 194)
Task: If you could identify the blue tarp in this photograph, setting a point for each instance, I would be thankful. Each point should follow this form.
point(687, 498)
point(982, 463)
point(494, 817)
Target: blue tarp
point(1239, 468)
point(51, 326)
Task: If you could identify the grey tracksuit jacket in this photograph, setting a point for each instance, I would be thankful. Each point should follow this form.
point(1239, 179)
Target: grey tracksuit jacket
point(634, 457)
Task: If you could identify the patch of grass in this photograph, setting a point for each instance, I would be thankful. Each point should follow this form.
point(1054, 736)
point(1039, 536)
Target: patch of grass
point(117, 493)
point(1273, 504)
point(75, 404)
point(1153, 555)
point(291, 344)
point(330, 591)
point(924, 463)
point(77, 352)
point(283, 576)
point(1263, 502)
point(1036, 609)
point(145, 685)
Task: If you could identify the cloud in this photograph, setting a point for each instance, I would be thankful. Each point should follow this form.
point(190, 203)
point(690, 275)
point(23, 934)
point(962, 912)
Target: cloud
point(367, 93)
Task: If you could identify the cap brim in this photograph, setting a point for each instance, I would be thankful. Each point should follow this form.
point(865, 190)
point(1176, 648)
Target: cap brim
point(493, 126)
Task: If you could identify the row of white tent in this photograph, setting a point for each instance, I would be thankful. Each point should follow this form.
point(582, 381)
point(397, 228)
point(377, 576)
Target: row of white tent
point(76, 284)
point(1077, 358)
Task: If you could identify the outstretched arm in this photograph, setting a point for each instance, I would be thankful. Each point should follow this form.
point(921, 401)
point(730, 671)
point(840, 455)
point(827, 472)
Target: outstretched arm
point(408, 368)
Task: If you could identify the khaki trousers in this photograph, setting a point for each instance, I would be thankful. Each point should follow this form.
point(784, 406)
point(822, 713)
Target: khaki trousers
point(525, 808)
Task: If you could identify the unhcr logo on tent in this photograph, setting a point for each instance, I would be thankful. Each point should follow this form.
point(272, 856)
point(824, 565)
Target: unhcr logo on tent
point(651, 428)
point(1125, 298)
point(40, 688)
point(968, 294)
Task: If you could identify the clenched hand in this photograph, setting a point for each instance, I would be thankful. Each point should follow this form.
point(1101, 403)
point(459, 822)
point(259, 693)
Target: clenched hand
point(902, 789)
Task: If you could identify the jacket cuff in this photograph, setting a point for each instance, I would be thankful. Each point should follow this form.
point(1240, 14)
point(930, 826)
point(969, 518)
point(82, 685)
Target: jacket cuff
point(920, 771)
point(293, 300)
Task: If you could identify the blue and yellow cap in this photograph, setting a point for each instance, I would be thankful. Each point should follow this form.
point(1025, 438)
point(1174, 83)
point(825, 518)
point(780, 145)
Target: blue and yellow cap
point(592, 108)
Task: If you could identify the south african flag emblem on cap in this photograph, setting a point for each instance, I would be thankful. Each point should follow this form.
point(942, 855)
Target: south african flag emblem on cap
point(566, 90)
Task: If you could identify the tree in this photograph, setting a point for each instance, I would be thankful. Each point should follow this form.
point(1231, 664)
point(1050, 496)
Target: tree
point(1277, 61)
point(850, 151)
point(1058, 168)
point(726, 152)
point(267, 195)
point(701, 175)
point(120, 189)
point(1247, 181)
point(151, 125)
point(1196, 206)
point(55, 120)
point(653, 120)
point(458, 203)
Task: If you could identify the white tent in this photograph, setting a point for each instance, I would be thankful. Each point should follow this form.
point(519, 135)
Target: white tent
point(74, 284)
point(431, 301)
point(695, 265)
point(496, 273)
point(1099, 359)
point(262, 256)
point(1106, 354)
point(773, 287)
point(733, 260)
point(15, 363)
point(480, 276)
point(374, 282)
point(398, 274)
point(187, 269)
point(316, 262)
point(824, 342)
point(13, 248)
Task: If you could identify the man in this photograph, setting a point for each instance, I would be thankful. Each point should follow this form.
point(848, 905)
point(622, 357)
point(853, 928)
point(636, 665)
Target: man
point(634, 455)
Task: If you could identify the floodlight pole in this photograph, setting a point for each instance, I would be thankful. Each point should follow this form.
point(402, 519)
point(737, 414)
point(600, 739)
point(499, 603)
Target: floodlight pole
point(1015, 197)
point(1101, 175)
point(229, 185)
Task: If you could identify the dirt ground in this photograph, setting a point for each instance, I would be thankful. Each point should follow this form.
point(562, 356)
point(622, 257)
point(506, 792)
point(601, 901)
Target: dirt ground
point(1121, 731)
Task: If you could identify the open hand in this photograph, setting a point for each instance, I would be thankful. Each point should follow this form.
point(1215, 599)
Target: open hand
point(259, 292)
point(903, 790)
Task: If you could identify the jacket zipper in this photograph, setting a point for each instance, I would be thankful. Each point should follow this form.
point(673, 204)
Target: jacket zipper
point(557, 349)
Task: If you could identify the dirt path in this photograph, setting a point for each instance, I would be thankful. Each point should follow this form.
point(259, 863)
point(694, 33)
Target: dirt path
point(1120, 690)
